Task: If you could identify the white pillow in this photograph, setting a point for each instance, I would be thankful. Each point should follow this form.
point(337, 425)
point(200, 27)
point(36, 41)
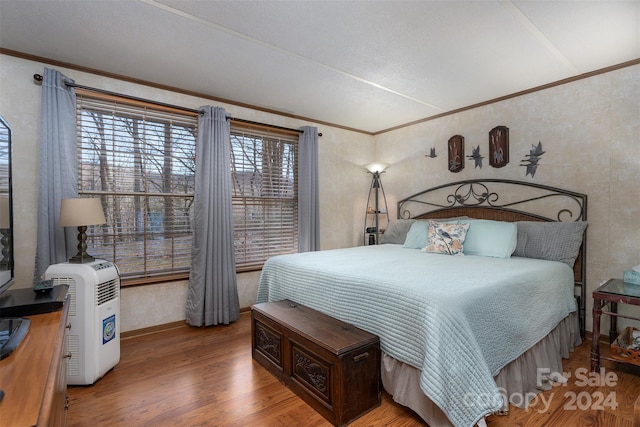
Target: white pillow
point(495, 239)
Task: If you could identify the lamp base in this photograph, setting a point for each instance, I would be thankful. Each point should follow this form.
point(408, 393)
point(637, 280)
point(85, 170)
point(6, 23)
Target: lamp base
point(81, 258)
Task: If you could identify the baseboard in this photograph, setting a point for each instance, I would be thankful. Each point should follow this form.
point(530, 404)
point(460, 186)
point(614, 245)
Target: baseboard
point(153, 329)
point(165, 327)
point(603, 338)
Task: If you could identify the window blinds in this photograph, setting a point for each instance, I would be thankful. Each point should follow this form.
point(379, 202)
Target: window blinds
point(265, 195)
point(140, 161)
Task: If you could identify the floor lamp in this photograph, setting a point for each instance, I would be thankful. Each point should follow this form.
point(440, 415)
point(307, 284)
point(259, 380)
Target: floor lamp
point(376, 169)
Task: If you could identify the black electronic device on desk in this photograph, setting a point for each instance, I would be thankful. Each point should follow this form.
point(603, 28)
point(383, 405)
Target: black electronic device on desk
point(43, 287)
point(30, 301)
point(16, 303)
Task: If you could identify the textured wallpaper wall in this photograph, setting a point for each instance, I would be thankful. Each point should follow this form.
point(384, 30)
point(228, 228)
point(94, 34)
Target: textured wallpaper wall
point(343, 183)
point(590, 132)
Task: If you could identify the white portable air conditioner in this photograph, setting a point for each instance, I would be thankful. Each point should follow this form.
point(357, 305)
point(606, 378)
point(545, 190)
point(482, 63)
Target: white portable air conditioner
point(93, 340)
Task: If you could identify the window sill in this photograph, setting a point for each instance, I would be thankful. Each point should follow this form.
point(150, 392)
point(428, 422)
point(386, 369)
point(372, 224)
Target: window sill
point(154, 280)
point(142, 281)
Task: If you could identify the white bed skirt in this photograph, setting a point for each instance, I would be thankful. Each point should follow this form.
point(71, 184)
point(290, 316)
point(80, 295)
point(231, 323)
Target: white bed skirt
point(518, 380)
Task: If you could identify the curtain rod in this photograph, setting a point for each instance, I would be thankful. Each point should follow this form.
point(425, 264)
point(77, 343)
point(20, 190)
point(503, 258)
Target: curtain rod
point(38, 80)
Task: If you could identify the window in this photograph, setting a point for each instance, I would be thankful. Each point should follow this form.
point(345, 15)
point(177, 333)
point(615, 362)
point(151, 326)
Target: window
point(140, 161)
point(265, 195)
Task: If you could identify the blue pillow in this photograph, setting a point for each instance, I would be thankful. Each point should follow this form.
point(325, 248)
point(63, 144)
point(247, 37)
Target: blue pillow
point(495, 239)
point(417, 235)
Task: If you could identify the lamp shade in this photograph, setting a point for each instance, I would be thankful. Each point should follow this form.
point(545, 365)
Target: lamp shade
point(376, 167)
point(80, 212)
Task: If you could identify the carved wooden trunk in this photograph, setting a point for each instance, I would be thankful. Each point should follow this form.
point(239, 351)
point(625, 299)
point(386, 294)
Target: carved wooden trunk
point(330, 364)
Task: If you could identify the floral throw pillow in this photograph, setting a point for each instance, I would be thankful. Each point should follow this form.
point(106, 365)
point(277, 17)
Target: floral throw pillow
point(445, 238)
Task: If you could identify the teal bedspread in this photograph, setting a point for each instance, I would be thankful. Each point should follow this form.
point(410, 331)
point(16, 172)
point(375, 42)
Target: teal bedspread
point(459, 319)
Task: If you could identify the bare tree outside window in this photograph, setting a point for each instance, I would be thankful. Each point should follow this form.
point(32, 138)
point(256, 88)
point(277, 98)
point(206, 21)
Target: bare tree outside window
point(265, 196)
point(141, 163)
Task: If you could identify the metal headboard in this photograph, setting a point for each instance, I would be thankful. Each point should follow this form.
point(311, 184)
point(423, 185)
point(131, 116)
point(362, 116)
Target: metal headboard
point(505, 200)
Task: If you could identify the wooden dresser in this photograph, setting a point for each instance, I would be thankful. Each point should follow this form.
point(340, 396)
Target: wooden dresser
point(34, 377)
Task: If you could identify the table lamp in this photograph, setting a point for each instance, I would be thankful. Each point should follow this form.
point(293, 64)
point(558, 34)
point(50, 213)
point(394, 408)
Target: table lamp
point(81, 212)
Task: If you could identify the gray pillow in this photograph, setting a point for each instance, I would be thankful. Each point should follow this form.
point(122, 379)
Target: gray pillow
point(397, 231)
point(553, 241)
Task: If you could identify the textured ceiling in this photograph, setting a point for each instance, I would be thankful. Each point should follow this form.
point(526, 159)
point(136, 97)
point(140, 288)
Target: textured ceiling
point(367, 65)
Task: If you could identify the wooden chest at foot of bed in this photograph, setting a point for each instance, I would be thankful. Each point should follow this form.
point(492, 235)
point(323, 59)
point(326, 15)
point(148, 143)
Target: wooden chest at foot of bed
point(330, 364)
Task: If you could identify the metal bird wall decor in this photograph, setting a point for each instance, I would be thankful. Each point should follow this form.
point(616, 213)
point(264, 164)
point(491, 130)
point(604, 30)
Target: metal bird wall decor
point(475, 155)
point(531, 160)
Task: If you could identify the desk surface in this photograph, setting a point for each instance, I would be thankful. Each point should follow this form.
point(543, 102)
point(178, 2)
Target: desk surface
point(25, 376)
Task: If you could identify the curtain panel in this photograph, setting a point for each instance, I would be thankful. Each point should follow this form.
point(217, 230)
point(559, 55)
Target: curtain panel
point(212, 297)
point(308, 194)
point(58, 171)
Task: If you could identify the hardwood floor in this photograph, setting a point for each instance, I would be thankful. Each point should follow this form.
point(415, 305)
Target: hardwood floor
point(206, 377)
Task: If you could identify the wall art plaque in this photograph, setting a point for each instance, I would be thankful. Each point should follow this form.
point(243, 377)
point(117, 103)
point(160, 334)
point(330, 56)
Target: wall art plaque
point(455, 148)
point(499, 146)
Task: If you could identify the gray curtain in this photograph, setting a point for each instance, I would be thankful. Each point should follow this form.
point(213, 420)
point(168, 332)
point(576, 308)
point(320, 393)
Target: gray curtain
point(212, 297)
point(308, 197)
point(58, 169)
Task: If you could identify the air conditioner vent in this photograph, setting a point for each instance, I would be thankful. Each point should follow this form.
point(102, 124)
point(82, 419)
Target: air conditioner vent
point(73, 347)
point(107, 291)
point(72, 292)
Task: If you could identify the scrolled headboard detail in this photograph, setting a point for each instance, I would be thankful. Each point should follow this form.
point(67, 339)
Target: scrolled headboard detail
point(506, 195)
point(504, 200)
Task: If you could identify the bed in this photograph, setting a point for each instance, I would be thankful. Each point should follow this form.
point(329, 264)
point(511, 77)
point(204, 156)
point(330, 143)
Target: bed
point(462, 336)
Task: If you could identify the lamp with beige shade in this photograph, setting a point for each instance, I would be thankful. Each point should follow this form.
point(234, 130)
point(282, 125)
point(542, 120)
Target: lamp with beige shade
point(81, 212)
